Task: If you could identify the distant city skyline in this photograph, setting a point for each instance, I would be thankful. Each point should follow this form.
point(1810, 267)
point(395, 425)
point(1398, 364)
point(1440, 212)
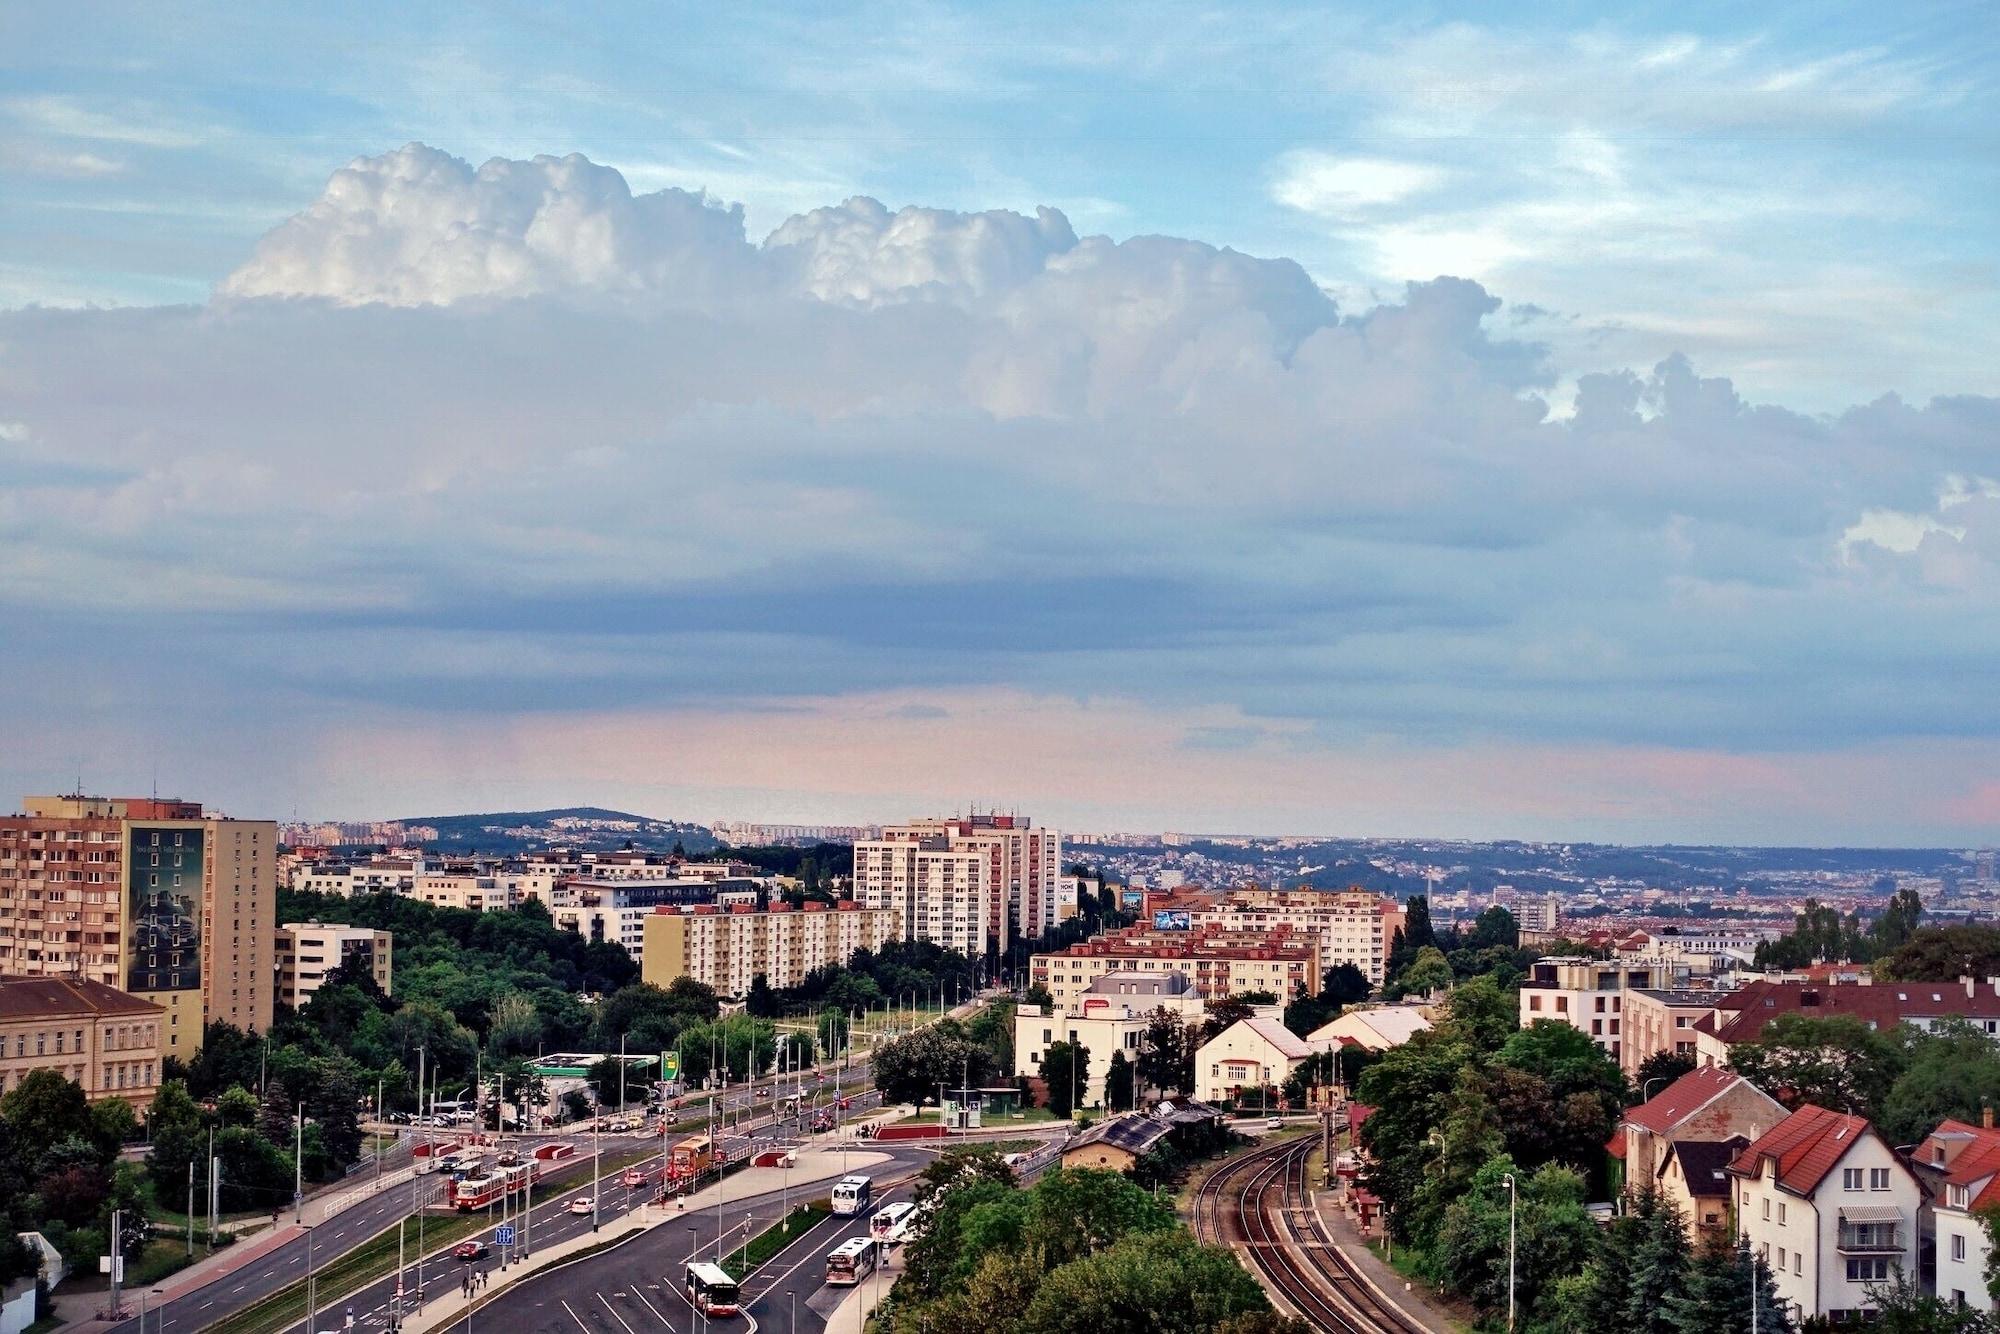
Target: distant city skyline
point(1569, 425)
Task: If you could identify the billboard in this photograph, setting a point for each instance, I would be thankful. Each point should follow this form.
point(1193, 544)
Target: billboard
point(1131, 900)
point(1172, 919)
point(164, 870)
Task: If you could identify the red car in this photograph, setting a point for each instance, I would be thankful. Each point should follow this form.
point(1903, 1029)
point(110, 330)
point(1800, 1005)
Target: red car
point(469, 1251)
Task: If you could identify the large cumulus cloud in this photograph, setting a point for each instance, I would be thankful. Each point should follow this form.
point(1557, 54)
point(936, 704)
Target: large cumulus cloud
point(514, 438)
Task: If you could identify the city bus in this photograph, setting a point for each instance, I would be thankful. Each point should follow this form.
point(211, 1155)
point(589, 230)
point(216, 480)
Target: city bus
point(710, 1290)
point(691, 1157)
point(850, 1262)
point(850, 1195)
point(891, 1224)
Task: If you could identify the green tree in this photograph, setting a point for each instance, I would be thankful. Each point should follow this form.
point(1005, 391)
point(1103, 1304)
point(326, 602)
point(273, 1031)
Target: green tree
point(1079, 1211)
point(910, 1068)
point(1833, 1061)
point(1716, 1295)
point(1065, 1072)
point(832, 1030)
point(1899, 921)
point(1495, 926)
point(113, 1123)
point(1118, 1082)
point(1166, 1053)
point(1659, 1273)
point(1659, 1070)
point(1345, 985)
point(1428, 972)
point(44, 1108)
point(515, 1028)
point(1408, 1088)
point(1163, 1282)
point(1553, 1235)
point(1942, 954)
point(1038, 994)
point(1903, 1307)
point(1224, 1012)
point(1953, 1071)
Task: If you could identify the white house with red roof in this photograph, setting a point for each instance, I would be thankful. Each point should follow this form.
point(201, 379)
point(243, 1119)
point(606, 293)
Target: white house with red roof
point(1962, 1164)
point(1831, 1208)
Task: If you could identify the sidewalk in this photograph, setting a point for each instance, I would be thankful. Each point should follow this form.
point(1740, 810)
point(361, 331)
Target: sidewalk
point(82, 1308)
point(813, 1166)
point(1419, 1305)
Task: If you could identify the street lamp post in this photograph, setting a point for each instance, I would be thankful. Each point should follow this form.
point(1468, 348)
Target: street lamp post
point(1511, 1196)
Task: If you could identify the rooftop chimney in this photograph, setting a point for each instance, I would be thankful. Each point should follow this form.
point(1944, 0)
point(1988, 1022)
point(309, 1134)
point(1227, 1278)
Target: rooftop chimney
point(1986, 1116)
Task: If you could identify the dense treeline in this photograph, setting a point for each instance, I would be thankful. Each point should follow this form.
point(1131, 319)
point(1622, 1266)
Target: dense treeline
point(1422, 959)
point(468, 962)
point(1080, 1252)
point(60, 1174)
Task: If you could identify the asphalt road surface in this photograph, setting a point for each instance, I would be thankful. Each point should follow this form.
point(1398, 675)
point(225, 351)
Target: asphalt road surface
point(636, 1288)
point(367, 1218)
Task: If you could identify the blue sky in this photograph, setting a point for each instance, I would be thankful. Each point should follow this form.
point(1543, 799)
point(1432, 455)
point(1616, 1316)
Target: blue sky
point(529, 482)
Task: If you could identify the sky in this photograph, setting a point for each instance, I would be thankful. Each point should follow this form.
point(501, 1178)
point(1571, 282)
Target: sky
point(1571, 422)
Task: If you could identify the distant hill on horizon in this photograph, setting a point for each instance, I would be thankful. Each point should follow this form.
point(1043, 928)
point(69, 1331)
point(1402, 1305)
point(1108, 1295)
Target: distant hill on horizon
point(595, 828)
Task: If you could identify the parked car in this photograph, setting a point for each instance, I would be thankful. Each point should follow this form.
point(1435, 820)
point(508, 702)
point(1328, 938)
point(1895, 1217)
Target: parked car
point(1275, 1123)
point(469, 1251)
point(583, 1204)
point(620, 1126)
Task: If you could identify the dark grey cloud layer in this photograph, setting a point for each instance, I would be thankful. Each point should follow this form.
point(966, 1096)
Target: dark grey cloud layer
point(512, 439)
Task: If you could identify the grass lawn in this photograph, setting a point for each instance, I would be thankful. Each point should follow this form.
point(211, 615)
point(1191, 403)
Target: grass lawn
point(1026, 1117)
point(745, 1259)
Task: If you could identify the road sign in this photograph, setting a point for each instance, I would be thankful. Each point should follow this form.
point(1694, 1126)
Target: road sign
point(670, 1066)
point(505, 1234)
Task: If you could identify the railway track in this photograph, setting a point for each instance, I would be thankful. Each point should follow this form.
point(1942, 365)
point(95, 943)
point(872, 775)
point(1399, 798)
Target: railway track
point(1259, 1205)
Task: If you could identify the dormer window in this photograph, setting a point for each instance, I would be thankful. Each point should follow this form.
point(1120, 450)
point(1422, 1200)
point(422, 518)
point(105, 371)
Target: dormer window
point(1955, 1196)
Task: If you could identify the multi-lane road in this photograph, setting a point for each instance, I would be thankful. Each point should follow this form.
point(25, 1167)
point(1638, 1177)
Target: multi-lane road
point(635, 1288)
point(374, 1214)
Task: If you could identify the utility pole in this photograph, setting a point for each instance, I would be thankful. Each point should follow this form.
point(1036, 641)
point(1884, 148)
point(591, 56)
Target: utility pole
point(1511, 1194)
point(214, 1190)
point(190, 1208)
point(621, 1074)
point(596, 1126)
point(117, 1261)
point(299, 1168)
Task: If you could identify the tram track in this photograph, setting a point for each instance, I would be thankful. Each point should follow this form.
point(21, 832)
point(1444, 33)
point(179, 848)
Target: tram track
point(1259, 1205)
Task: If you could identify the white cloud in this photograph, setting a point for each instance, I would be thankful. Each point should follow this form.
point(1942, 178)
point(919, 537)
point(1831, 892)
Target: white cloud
point(521, 410)
point(1342, 187)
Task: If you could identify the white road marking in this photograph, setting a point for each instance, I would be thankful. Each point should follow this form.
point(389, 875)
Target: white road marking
point(614, 1314)
point(574, 1316)
point(654, 1309)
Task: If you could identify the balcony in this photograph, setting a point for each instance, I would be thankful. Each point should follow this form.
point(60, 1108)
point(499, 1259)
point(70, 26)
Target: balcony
point(1870, 1230)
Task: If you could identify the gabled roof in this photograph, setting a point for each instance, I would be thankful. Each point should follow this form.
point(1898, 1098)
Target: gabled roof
point(1705, 1163)
point(1804, 1146)
point(66, 998)
point(1281, 1039)
point(1972, 1157)
point(1683, 1098)
point(1742, 1014)
point(1134, 1132)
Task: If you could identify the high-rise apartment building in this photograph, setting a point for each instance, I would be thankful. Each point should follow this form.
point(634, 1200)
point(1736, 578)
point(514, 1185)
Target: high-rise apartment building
point(967, 883)
point(152, 897)
point(728, 949)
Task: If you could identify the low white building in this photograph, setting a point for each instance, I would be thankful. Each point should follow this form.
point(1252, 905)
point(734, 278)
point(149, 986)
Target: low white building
point(1831, 1208)
point(1249, 1054)
point(1373, 1028)
point(1111, 1015)
point(1962, 1164)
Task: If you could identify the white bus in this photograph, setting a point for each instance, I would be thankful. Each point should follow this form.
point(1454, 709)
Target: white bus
point(892, 1223)
point(850, 1262)
point(710, 1290)
point(850, 1195)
